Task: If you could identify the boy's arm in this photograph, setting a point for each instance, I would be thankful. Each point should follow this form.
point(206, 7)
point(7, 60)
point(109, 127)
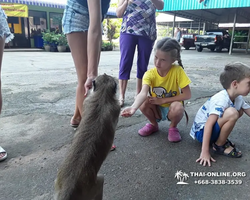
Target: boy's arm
point(185, 95)
point(247, 111)
point(205, 156)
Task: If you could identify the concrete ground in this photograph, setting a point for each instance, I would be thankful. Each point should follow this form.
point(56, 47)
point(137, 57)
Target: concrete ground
point(39, 94)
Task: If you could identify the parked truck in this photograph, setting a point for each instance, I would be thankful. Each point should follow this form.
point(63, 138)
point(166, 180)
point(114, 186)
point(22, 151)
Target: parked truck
point(216, 39)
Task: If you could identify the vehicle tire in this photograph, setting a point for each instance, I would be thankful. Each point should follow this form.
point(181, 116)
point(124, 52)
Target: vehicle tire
point(199, 48)
point(218, 49)
point(212, 49)
point(187, 47)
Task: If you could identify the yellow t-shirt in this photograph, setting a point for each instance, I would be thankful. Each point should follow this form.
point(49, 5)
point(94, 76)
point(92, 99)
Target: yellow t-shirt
point(168, 86)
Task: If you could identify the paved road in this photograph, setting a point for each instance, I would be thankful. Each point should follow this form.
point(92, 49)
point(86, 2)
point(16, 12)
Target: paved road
point(39, 93)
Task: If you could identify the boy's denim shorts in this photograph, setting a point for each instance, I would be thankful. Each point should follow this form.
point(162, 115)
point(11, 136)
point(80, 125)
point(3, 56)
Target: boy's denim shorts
point(75, 17)
point(4, 27)
point(164, 113)
point(215, 133)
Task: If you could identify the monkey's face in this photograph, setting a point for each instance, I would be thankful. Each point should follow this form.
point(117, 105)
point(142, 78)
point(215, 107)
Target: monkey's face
point(105, 82)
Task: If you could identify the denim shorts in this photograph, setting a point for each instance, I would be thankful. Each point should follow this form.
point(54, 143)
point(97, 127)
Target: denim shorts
point(215, 134)
point(164, 113)
point(4, 27)
point(75, 17)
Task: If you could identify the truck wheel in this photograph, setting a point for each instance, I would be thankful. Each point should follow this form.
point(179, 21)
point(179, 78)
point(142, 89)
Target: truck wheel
point(199, 48)
point(219, 49)
point(187, 47)
point(212, 49)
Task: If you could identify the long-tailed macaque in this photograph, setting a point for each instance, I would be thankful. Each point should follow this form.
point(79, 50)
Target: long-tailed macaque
point(77, 178)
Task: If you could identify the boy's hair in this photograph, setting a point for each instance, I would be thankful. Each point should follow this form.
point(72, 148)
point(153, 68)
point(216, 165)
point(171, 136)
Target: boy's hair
point(234, 71)
point(170, 45)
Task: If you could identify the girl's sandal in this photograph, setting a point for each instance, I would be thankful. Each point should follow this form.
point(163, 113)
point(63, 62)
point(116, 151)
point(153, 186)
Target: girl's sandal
point(234, 153)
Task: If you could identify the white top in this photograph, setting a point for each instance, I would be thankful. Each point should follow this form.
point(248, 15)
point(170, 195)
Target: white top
point(217, 104)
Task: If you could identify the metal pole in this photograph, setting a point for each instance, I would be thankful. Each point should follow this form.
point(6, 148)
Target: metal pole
point(248, 37)
point(199, 27)
point(173, 25)
point(204, 27)
point(232, 36)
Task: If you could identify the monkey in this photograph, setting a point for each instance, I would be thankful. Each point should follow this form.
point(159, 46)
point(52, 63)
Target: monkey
point(78, 178)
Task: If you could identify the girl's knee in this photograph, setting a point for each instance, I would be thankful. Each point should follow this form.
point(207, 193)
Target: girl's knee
point(145, 105)
point(176, 107)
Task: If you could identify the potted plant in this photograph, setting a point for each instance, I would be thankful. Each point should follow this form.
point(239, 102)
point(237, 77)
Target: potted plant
point(61, 42)
point(54, 42)
point(47, 40)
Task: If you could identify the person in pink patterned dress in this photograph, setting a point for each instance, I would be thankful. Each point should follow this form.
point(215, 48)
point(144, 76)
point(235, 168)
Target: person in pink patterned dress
point(138, 29)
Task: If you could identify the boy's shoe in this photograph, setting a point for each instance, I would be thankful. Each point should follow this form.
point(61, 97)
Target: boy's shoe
point(174, 135)
point(147, 130)
point(3, 154)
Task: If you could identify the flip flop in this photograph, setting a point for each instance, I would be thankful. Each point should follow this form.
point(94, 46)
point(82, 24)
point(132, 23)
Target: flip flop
point(3, 151)
point(74, 122)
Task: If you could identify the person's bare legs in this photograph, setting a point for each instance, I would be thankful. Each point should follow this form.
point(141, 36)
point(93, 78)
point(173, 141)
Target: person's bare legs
point(2, 43)
point(78, 46)
point(138, 86)
point(227, 123)
point(123, 86)
point(175, 114)
point(122, 89)
point(151, 112)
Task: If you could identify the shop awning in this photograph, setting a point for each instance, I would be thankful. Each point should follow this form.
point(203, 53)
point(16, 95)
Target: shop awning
point(50, 3)
point(45, 3)
point(15, 10)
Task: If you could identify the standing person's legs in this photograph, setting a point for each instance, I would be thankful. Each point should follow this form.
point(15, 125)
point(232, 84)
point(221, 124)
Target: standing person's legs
point(127, 48)
point(3, 153)
point(78, 46)
point(5, 37)
point(75, 25)
point(145, 47)
point(2, 43)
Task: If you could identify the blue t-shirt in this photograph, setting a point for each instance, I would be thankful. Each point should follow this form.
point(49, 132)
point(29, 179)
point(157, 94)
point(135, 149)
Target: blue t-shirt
point(104, 4)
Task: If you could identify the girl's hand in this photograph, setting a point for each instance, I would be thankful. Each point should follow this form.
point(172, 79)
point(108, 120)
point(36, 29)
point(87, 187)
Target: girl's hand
point(155, 100)
point(128, 112)
point(205, 158)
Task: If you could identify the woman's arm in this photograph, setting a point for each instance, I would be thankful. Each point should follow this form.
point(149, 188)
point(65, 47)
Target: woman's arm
point(159, 4)
point(121, 8)
point(94, 41)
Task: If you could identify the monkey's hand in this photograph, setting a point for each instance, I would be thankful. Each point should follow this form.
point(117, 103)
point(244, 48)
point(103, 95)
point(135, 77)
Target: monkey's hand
point(88, 85)
point(128, 112)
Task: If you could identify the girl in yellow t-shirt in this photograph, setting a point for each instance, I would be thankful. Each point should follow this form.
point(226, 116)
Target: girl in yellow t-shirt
point(168, 86)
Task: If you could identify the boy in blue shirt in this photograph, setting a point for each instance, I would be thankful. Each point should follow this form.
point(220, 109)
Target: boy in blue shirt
point(216, 118)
